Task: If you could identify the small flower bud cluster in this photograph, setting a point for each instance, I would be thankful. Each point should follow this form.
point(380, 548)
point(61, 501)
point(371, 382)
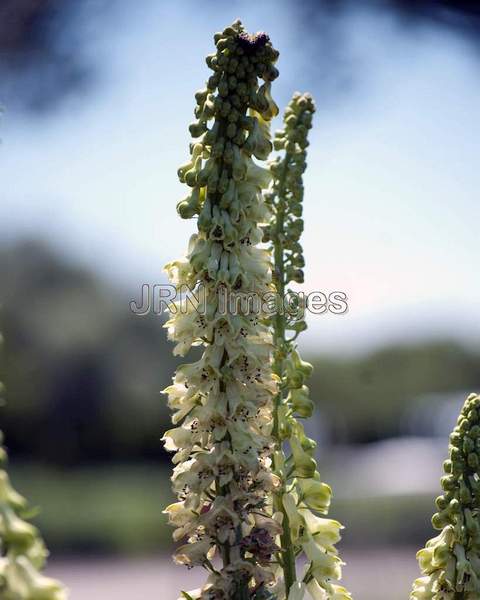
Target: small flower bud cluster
point(239, 108)
point(302, 494)
point(287, 170)
point(222, 404)
point(450, 562)
point(22, 552)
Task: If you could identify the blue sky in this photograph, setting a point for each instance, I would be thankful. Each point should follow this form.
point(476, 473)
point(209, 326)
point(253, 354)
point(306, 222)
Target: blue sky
point(391, 207)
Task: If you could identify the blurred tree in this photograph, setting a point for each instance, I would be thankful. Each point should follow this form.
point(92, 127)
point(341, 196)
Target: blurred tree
point(365, 398)
point(83, 373)
point(39, 57)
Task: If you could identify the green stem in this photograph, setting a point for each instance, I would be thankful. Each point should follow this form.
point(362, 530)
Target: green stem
point(289, 566)
point(242, 592)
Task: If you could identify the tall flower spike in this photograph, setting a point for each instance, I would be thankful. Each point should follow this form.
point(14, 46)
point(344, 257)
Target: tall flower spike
point(301, 494)
point(222, 404)
point(22, 552)
point(450, 562)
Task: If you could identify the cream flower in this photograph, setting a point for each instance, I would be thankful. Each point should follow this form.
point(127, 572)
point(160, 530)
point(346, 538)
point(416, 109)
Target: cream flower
point(324, 565)
point(297, 591)
point(195, 553)
point(24, 582)
point(325, 532)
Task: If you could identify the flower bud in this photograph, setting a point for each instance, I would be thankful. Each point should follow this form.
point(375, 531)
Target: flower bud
point(305, 465)
point(300, 401)
point(448, 482)
point(197, 129)
point(304, 367)
point(441, 502)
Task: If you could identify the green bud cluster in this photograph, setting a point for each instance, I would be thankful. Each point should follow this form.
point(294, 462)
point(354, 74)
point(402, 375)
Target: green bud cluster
point(22, 551)
point(239, 108)
point(288, 180)
point(450, 562)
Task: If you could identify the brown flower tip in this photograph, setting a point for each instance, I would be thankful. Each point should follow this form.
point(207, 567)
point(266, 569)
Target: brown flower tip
point(252, 42)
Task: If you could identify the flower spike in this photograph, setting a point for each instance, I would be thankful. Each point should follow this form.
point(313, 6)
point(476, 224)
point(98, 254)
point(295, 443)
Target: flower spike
point(450, 562)
point(22, 551)
point(301, 493)
point(222, 404)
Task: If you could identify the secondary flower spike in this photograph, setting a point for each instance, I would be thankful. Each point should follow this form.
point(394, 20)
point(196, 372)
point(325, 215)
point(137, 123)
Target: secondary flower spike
point(450, 562)
point(22, 552)
point(301, 494)
point(222, 403)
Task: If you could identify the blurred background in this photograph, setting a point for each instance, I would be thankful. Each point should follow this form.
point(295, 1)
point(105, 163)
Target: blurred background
point(97, 97)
